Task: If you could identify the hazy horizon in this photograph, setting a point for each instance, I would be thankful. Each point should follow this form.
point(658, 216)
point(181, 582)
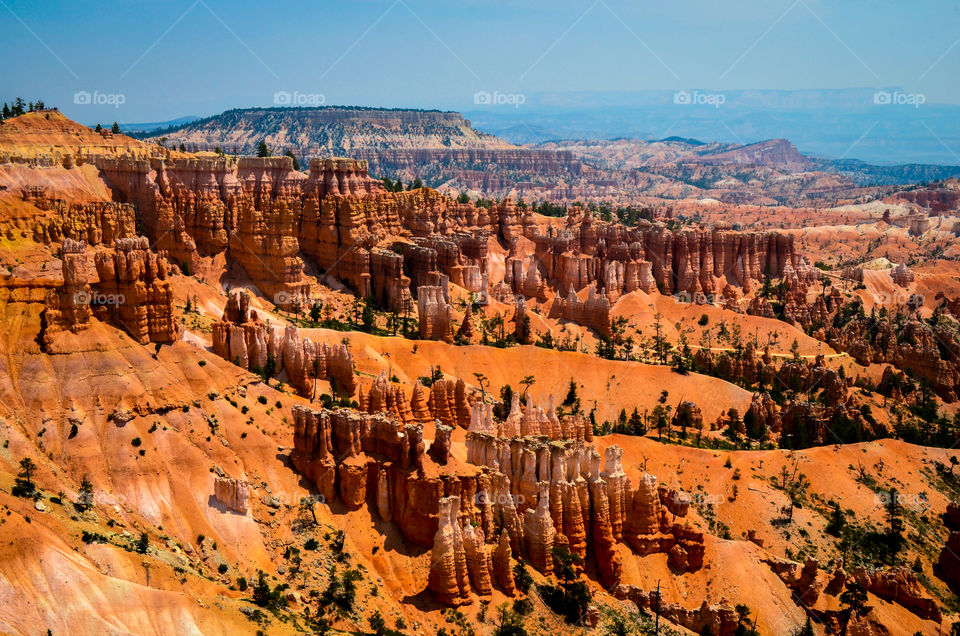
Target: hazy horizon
point(161, 60)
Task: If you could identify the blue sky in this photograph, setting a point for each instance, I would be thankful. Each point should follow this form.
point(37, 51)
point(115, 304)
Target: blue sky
point(170, 58)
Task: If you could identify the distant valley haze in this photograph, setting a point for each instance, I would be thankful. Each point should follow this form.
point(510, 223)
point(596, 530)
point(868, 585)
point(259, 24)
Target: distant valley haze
point(868, 80)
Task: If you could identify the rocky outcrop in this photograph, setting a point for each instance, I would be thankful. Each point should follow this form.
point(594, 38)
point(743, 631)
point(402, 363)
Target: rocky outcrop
point(721, 619)
point(324, 439)
point(434, 313)
point(691, 261)
point(938, 197)
point(539, 532)
point(94, 223)
point(420, 404)
point(762, 416)
point(242, 338)
point(688, 416)
point(609, 564)
point(522, 277)
point(449, 577)
point(502, 567)
point(479, 562)
point(593, 312)
point(930, 352)
point(760, 306)
point(232, 493)
point(948, 563)
point(135, 292)
point(589, 509)
point(466, 331)
point(902, 275)
point(68, 306)
point(383, 396)
point(522, 333)
point(449, 402)
point(918, 225)
point(899, 585)
point(642, 513)
point(440, 448)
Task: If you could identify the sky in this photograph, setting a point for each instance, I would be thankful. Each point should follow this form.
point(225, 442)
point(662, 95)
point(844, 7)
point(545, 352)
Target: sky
point(155, 60)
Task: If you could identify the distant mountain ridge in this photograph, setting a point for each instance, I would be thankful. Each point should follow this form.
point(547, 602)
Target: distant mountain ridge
point(863, 123)
point(778, 153)
point(445, 150)
point(329, 130)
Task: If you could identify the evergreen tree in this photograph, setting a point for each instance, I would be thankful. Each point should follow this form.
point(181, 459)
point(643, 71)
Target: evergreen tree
point(368, 317)
point(838, 520)
point(115, 129)
point(262, 149)
point(894, 513)
point(806, 630)
point(854, 599)
point(377, 624)
point(85, 495)
point(296, 164)
point(571, 398)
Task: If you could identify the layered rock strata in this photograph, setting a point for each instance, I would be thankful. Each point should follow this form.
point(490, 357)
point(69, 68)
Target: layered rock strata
point(242, 338)
point(232, 493)
point(68, 306)
point(133, 291)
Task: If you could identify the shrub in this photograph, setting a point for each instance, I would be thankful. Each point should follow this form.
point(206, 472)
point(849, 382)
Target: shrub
point(377, 624)
point(522, 577)
point(342, 591)
point(569, 600)
point(264, 596)
point(523, 606)
point(93, 537)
